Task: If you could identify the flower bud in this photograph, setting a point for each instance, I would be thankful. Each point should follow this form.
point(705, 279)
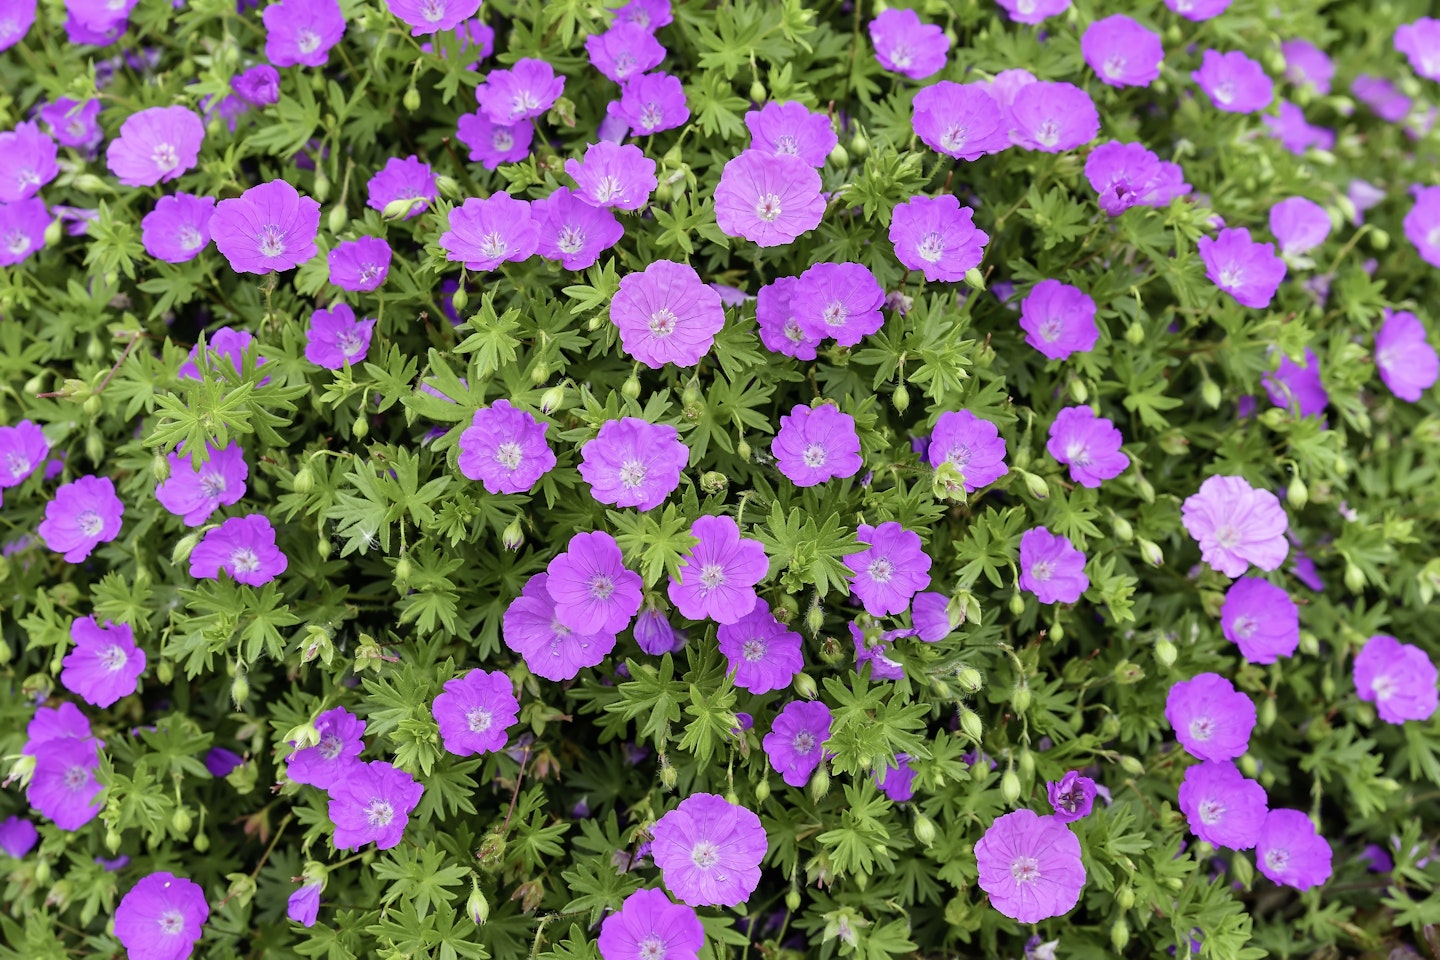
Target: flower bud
point(1079, 391)
point(1020, 697)
point(303, 735)
point(762, 790)
point(183, 547)
point(668, 776)
point(1151, 552)
point(815, 618)
point(1309, 643)
point(112, 840)
point(970, 679)
point(447, 186)
point(459, 300)
point(1135, 333)
point(403, 569)
point(1026, 765)
point(512, 537)
point(1038, 487)
point(805, 686)
point(732, 798)
point(1123, 531)
point(337, 219)
point(1010, 787)
point(477, 908)
point(552, 399)
point(742, 449)
point(89, 183)
point(53, 232)
point(1132, 766)
point(540, 373)
point(1210, 394)
point(1266, 713)
point(1165, 652)
point(160, 467)
point(321, 190)
point(819, 783)
point(304, 480)
point(1145, 489)
point(1120, 934)
point(975, 280)
point(630, 389)
point(165, 671)
point(239, 690)
point(398, 208)
point(322, 547)
point(1125, 897)
point(492, 851)
point(1354, 578)
point(1297, 494)
point(792, 900)
point(181, 821)
point(1017, 603)
point(91, 406)
point(839, 155)
point(242, 888)
point(757, 91)
point(970, 723)
point(901, 398)
point(1127, 672)
point(201, 842)
point(714, 482)
point(859, 145)
point(924, 830)
point(411, 100)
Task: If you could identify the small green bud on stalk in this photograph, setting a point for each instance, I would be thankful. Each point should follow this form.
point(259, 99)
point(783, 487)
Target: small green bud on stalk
point(792, 900)
point(398, 208)
point(757, 91)
point(1379, 239)
point(1120, 934)
point(1017, 603)
point(970, 679)
point(805, 686)
point(53, 233)
point(42, 871)
point(1309, 643)
point(975, 280)
point(1057, 631)
point(88, 183)
point(762, 790)
point(714, 482)
point(552, 399)
point(1210, 394)
point(1132, 766)
point(94, 442)
point(940, 688)
point(239, 689)
point(1079, 391)
point(1125, 897)
point(1297, 494)
point(59, 895)
point(304, 480)
point(360, 428)
point(668, 776)
point(742, 449)
point(1354, 578)
point(513, 536)
point(459, 301)
point(112, 840)
point(970, 723)
point(819, 783)
point(1123, 531)
point(924, 830)
point(901, 398)
point(1151, 552)
point(732, 798)
point(1135, 333)
point(165, 671)
point(1026, 765)
point(1037, 485)
point(815, 618)
point(411, 100)
point(202, 842)
point(242, 888)
point(321, 190)
point(630, 389)
point(1145, 489)
point(1127, 672)
point(540, 373)
point(181, 821)
point(322, 547)
point(183, 548)
point(448, 187)
point(160, 467)
point(337, 219)
point(840, 156)
point(91, 406)
point(1010, 787)
point(477, 908)
point(1020, 697)
point(1267, 713)
point(1165, 652)
point(403, 569)
point(859, 144)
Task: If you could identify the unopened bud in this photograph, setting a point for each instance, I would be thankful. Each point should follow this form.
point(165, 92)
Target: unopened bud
point(1354, 578)
point(1146, 489)
point(1123, 531)
point(805, 686)
point(742, 449)
point(53, 232)
point(360, 428)
point(1125, 897)
point(304, 480)
point(1165, 653)
point(165, 671)
point(201, 842)
point(970, 679)
point(762, 790)
point(1120, 934)
point(819, 783)
point(1379, 239)
point(970, 723)
point(403, 569)
point(1010, 787)
point(160, 467)
point(477, 908)
point(322, 547)
point(1132, 766)
point(399, 208)
point(1210, 393)
point(792, 900)
point(540, 373)
point(668, 776)
point(901, 398)
point(1266, 713)
point(89, 183)
point(1151, 552)
point(815, 618)
point(924, 830)
point(1057, 631)
point(630, 389)
point(1127, 672)
point(714, 482)
point(112, 840)
point(321, 189)
point(757, 91)
point(91, 406)
point(1309, 643)
point(1037, 486)
point(859, 145)
point(411, 100)
point(448, 186)
point(1026, 765)
point(239, 690)
point(1079, 391)
point(1135, 334)
point(459, 300)
point(181, 821)
point(1017, 603)
point(975, 280)
point(337, 219)
point(1297, 494)
point(552, 399)
point(839, 155)
point(513, 536)
point(183, 548)
point(1020, 697)
point(303, 735)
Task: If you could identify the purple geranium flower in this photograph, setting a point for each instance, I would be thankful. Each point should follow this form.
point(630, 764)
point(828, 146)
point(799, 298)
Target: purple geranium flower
point(505, 449)
point(28, 160)
point(105, 663)
point(1295, 133)
point(1212, 720)
point(633, 463)
point(1299, 225)
point(155, 145)
point(22, 230)
point(709, 851)
point(1051, 567)
point(796, 740)
point(259, 86)
point(1236, 525)
point(1223, 807)
point(550, 649)
point(591, 588)
point(906, 45)
point(1261, 619)
point(1088, 445)
point(897, 779)
point(23, 448)
point(407, 179)
point(1030, 866)
point(1422, 224)
point(764, 654)
point(972, 444)
point(72, 122)
point(768, 199)
point(1053, 117)
point(161, 918)
point(1307, 63)
point(1290, 852)
point(654, 634)
point(494, 143)
point(360, 266)
point(526, 90)
point(335, 338)
point(335, 756)
point(63, 786)
point(431, 16)
point(930, 615)
point(574, 232)
point(1397, 677)
point(784, 128)
point(244, 547)
point(301, 32)
point(1121, 52)
point(817, 444)
point(220, 762)
point(937, 236)
point(475, 711)
point(613, 175)
point(16, 21)
point(1381, 96)
point(1058, 319)
point(840, 300)
point(779, 330)
point(267, 228)
point(1198, 10)
point(1234, 82)
point(1420, 42)
point(1297, 386)
point(891, 569)
point(665, 314)
point(1033, 11)
point(650, 14)
point(1127, 175)
point(718, 575)
point(1072, 797)
point(486, 233)
point(1246, 269)
point(875, 651)
point(652, 102)
point(624, 51)
point(178, 229)
point(1407, 363)
point(649, 927)
point(303, 907)
point(372, 803)
point(960, 120)
point(17, 836)
point(228, 343)
point(84, 514)
point(63, 722)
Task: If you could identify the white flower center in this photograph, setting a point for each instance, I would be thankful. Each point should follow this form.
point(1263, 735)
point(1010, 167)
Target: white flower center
point(509, 454)
point(1078, 453)
point(601, 586)
point(165, 157)
point(76, 778)
point(767, 208)
point(349, 343)
point(753, 650)
point(308, 41)
point(1232, 275)
point(571, 239)
point(1025, 870)
point(1212, 811)
point(815, 455)
point(651, 116)
point(172, 923)
point(379, 813)
point(89, 523)
point(1042, 571)
point(932, 247)
point(502, 140)
point(607, 189)
point(1227, 536)
point(523, 101)
point(433, 10)
point(479, 720)
point(1114, 65)
point(632, 474)
point(953, 138)
point(330, 746)
point(793, 333)
point(18, 465)
point(705, 854)
point(652, 948)
point(1277, 859)
point(835, 315)
point(1202, 728)
point(212, 484)
point(1050, 329)
point(1048, 134)
point(1245, 626)
point(1384, 687)
point(113, 658)
point(881, 570)
point(804, 742)
point(190, 238)
point(17, 242)
point(786, 146)
point(272, 241)
point(1025, 7)
point(243, 560)
point(1225, 92)
point(662, 322)
point(493, 245)
point(712, 575)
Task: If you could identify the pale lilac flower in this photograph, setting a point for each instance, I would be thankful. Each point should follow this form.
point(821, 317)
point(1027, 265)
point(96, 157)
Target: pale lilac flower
point(906, 45)
point(764, 654)
point(105, 663)
point(486, 233)
point(301, 32)
point(1058, 319)
point(372, 803)
point(1121, 52)
point(1407, 363)
point(1297, 386)
point(768, 199)
point(1381, 96)
point(897, 779)
point(840, 300)
point(892, 568)
point(1234, 82)
point(624, 51)
point(650, 14)
point(574, 232)
point(195, 491)
point(55, 723)
point(1002, 89)
point(972, 444)
point(155, 146)
point(84, 514)
point(1236, 525)
point(1290, 852)
point(1420, 42)
point(1211, 719)
point(1422, 224)
point(654, 634)
point(779, 330)
point(633, 463)
point(718, 575)
point(431, 16)
point(709, 851)
point(960, 120)
point(72, 123)
point(334, 756)
point(407, 179)
point(1223, 807)
point(613, 175)
point(228, 343)
point(817, 444)
point(267, 228)
point(178, 229)
point(16, 19)
point(335, 338)
point(1072, 797)
point(259, 86)
point(494, 143)
point(1299, 225)
point(23, 448)
point(360, 266)
point(875, 651)
point(243, 547)
point(1127, 175)
point(22, 230)
point(795, 743)
point(1030, 866)
point(18, 836)
point(475, 711)
point(63, 786)
point(549, 648)
point(653, 102)
point(1246, 269)
point(649, 927)
point(1088, 445)
point(526, 90)
point(505, 449)
point(591, 588)
point(1198, 10)
point(784, 128)
point(1295, 133)
point(1307, 63)
point(930, 614)
point(665, 314)
point(1260, 619)
point(1051, 567)
point(1399, 678)
point(1053, 117)
point(937, 236)
point(28, 160)
point(1033, 11)
point(303, 906)
point(161, 918)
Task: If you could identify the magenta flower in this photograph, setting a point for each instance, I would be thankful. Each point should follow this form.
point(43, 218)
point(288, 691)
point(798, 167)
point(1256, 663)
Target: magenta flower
point(649, 927)
point(718, 575)
point(764, 654)
point(1127, 175)
point(161, 918)
point(1030, 866)
point(652, 102)
point(768, 199)
point(840, 300)
point(1297, 386)
point(475, 711)
point(1420, 42)
point(665, 314)
point(335, 756)
point(335, 338)
point(1121, 52)
point(494, 143)
point(407, 179)
point(301, 32)
point(486, 233)
point(937, 236)
point(1053, 117)
point(193, 492)
point(930, 615)
point(1072, 797)
point(613, 175)
point(63, 786)
point(178, 229)
point(1234, 82)
point(654, 634)
point(28, 160)
point(1223, 807)
point(624, 51)
point(259, 86)
point(505, 449)
point(970, 443)
point(1422, 224)
point(891, 569)
point(155, 145)
point(303, 906)
point(17, 836)
point(784, 128)
point(1246, 269)
point(591, 588)
point(105, 663)
point(779, 330)
point(1381, 96)
point(960, 120)
point(1295, 133)
point(22, 230)
point(1307, 63)
point(17, 18)
point(267, 228)
point(72, 122)
point(228, 343)
point(633, 463)
point(1406, 361)
point(1058, 319)
point(1198, 10)
point(431, 16)
point(817, 444)
point(549, 648)
point(1260, 619)
point(709, 851)
point(1398, 678)
point(360, 266)
point(244, 547)
point(1051, 567)
point(97, 22)
point(1290, 852)
point(23, 448)
point(1212, 720)
point(574, 232)
point(875, 651)
point(1299, 225)
point(897, 779)
point(526, 90)
point(1236, 525)
point(1033, 11)
point(796, 740)
point(84, 514)
point(906, 45)
point(64, 722)
point(1088, 445)
point(372, 803)
point(650, 14)
point(473, 35)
